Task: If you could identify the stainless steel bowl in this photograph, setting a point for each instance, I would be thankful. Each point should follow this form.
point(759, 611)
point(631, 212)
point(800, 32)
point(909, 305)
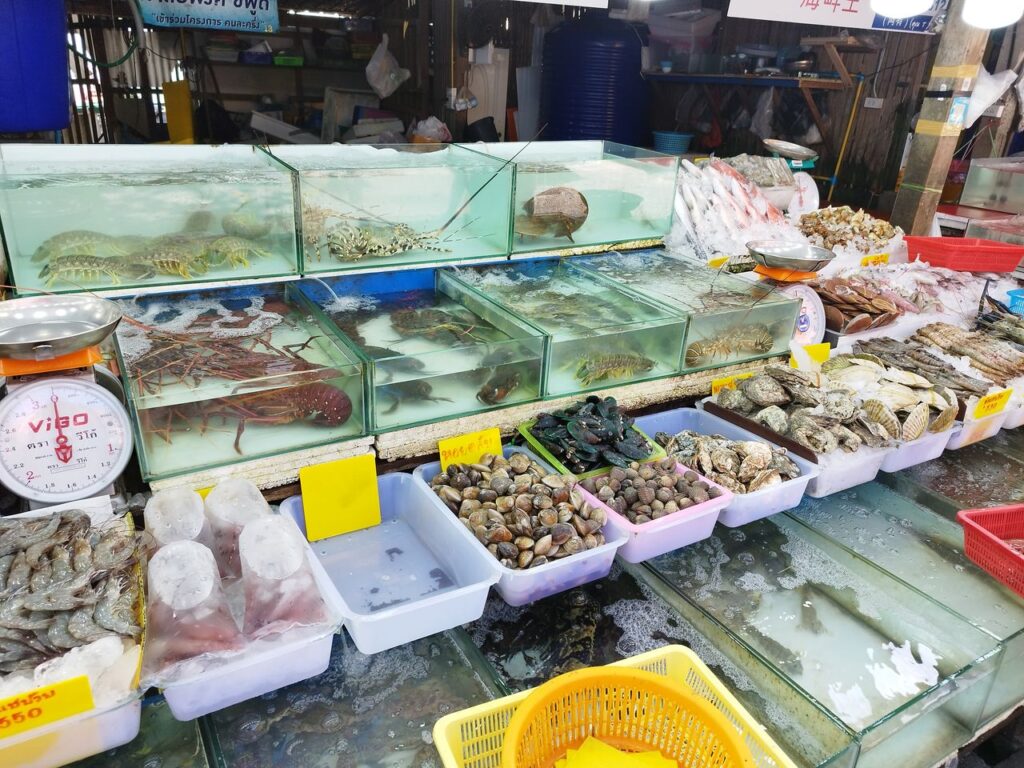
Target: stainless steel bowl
point(780, 254)
point(44, 327)
point(790, 150)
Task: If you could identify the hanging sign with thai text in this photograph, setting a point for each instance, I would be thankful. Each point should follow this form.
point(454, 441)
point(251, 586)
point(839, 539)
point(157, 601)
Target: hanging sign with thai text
point(847, 14)
point(223, 15)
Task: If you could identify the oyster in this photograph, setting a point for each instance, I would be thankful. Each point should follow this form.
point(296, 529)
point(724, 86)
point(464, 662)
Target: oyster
point(774, 418)
point(735, 400)
point(763, 390)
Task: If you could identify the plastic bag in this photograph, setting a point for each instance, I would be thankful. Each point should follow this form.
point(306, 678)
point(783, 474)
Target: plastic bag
point(177, 514)
point(383, 72)
point(431, 130)
point(987, 91)
point(233, 503)
point(761, 125)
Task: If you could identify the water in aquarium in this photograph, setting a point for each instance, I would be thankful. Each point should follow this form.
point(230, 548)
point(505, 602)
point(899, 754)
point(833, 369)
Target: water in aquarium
point(898, 669)
point(435, 353)
point(365, 206)
point(217, 377)
point(583, 193)
point(731, 319)
point(163, 742)
point(600, 335)
point(146, 216)
point(363, 712)
point(925, 550)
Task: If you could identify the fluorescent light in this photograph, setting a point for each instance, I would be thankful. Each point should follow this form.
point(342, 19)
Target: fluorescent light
point(320, 14)
point(993, 14)
point(901, 9)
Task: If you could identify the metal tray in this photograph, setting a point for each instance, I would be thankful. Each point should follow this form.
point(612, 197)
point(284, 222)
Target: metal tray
point(44, 327)
point(788, 149)
point(781, 254)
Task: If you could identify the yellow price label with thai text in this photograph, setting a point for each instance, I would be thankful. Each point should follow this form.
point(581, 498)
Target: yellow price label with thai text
point(819, 353)
point(720, 261)
point(992, 404)
point(340, 496)
point(874, 260)
point(729, 382)
point(45, 705)
point(468, 448)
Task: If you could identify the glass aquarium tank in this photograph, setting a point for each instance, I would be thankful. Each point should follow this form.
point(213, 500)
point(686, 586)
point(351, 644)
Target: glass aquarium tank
point(79, 217)
point(732, 320)
point(221, 376)
point(365, 207)
point(995, 184)
point(433, 349)
point(905, 674)
point(601, 335)
point(926, 550)
point(584, 194)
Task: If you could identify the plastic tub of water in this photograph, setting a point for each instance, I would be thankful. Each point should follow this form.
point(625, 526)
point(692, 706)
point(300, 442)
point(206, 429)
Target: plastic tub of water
point(743, 508)
point(927, 447)
point(971, 432)
point(407, 578)
point(267, 666)
point(519, 587)
point(672, 142)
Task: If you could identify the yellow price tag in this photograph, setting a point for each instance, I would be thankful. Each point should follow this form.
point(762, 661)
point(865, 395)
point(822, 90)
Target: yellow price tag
point(729, 382)
point(45, 705)
point(204, 492)
point(721, 261)
point(340, 496)
point(875, 260)
point(468, 448)
point(992, 404)
point(818, 353)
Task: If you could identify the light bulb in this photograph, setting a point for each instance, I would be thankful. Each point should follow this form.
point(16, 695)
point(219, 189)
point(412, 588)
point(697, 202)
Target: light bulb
point(900, 9)
point(992, 14)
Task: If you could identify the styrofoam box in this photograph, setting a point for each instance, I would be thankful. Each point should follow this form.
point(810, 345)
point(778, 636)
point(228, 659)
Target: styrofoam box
point(971, 432)
point(519, 587)
point(274, 664)
point(927, 447)
point(743, 508)
point(88, 733)
point(666, 534)
point(408, 577)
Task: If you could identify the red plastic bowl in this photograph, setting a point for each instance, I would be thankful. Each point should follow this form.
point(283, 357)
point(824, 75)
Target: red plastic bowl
point(965, 254)
point(985, 534)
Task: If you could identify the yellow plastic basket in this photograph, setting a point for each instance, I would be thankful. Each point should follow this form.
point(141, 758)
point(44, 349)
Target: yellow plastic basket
point(630, 709)
point(474, 737)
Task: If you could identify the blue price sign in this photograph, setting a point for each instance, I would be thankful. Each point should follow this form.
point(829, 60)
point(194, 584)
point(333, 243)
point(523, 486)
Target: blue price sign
point(226, 15)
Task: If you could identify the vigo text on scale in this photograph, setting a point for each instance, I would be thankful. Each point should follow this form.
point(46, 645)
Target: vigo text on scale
point(63, 435)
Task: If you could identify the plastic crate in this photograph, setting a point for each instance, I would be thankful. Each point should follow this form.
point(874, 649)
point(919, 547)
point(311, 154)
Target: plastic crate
point(545, 454)
point(473, 738)
point(965, 254)
point(985, 534)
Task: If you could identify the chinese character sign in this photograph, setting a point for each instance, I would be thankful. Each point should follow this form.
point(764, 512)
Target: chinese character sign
point(226, 15)
point(849, 14)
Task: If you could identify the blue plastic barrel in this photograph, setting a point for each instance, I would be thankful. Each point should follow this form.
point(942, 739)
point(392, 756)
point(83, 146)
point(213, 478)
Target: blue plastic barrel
point(672, 142)
point(34, 76)
point(592, 86)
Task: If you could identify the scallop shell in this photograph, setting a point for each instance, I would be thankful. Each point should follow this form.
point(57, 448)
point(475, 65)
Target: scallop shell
point(944, 420)
point(880, 413)
point(916, 422)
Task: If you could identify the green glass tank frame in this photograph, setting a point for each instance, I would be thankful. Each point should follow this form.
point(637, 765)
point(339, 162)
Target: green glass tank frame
point(656, 337)
point(454, 203)
point(756, 323)
point(525, 346)
point(209, 442)
point(914, 730)
point(140, 217)
point(615, 180)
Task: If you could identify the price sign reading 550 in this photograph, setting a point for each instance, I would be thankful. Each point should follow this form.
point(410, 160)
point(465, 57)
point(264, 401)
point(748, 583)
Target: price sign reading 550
point(45, 705)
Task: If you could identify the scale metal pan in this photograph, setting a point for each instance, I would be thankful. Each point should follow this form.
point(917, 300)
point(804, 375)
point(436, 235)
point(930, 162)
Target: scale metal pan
point(790, 150)
point(44, 327)
point(779, 254)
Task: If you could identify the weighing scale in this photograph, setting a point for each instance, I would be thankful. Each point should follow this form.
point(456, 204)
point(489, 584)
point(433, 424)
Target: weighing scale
point(63, 436)
point(787, 265)
point(797, 157)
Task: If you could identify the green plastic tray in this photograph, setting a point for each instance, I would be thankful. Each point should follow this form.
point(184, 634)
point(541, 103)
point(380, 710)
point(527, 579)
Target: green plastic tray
point(544, 453)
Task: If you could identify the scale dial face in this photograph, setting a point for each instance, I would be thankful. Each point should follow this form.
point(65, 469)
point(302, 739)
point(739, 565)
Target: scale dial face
point(62, 439)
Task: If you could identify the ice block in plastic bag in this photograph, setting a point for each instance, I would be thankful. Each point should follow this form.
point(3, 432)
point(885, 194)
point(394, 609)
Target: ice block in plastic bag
point(233, 503)
point(177, 515)
point(280, 590)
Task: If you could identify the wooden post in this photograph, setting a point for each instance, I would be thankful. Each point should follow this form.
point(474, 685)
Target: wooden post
point(952, 80)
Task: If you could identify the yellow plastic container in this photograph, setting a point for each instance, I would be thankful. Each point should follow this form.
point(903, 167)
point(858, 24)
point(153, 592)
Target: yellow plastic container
point(474, 737)
point(630, 709)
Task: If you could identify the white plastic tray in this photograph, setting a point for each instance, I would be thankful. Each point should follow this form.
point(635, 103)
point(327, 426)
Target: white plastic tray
point(925, 448)
point(970, 432)
point(522, 587)
point(743, 508)
point(270, 665)
point(409, 577)
point(1014, 415)
point(668, 533)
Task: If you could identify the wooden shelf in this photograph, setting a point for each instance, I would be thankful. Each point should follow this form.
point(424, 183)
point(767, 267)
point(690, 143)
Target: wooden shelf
point(355, 66)
point(757, 81)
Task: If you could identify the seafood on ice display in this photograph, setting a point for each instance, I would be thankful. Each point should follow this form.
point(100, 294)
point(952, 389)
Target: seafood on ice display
point(852, 304)
point(939, 368)
point(525, 516)
point(70, 603)
point(742, 466)
point(763, 171)
point(843, 228)
point(998, 360)
point(251, 591)
point(718, 211)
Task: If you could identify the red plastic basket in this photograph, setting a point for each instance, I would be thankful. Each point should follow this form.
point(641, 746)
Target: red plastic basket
point(965, 254)
point(985, 534)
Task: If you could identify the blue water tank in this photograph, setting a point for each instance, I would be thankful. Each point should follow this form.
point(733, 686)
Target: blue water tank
point(34, 77)
point(592, 85)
